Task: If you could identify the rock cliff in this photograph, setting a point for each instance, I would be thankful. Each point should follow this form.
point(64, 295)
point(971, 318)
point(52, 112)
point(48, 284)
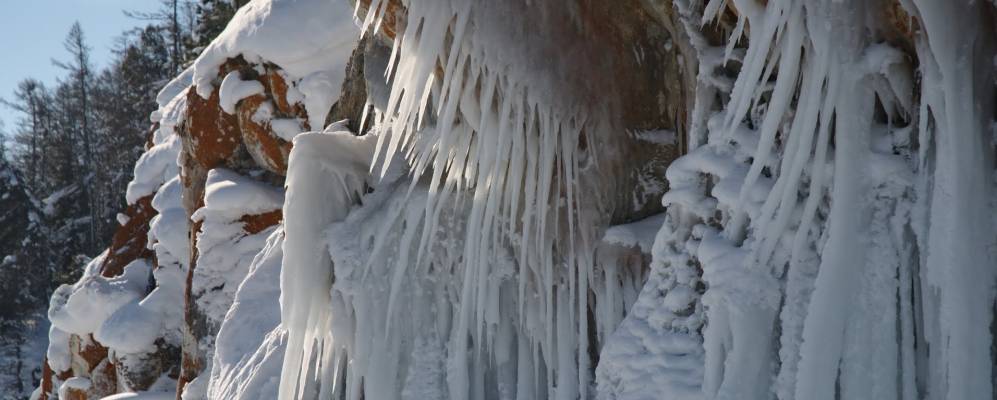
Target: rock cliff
point(431, 199)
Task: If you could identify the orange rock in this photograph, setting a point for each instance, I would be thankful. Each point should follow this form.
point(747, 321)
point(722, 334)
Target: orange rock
point(277, 87)
point(267, 150)
point(212, 134)
point(76, 394)
point(129, 241)
point(46, 383)
point(191, 363)
point(393, 16)
point(89, 360)
point(91, 352)
point(103, 380)
point(254, 224)
point(900, 27)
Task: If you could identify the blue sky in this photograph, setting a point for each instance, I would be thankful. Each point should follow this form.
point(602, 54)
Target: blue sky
point(32, 31)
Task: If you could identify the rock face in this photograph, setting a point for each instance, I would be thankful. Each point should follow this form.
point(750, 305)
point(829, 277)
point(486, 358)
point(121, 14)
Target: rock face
point(591, 199)
point(253, 142)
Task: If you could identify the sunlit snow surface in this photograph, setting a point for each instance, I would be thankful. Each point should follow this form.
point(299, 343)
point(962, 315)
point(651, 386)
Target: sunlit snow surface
point(310, 40)
point(142, 396)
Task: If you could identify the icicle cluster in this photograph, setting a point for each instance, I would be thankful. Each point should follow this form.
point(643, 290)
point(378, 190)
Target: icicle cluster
point(810, 249)
point(477, 282)
point(817, 199)
point(326, 172)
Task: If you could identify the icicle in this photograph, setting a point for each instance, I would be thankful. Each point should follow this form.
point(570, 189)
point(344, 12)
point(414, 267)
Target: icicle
point(958, 267)
point(320, 164)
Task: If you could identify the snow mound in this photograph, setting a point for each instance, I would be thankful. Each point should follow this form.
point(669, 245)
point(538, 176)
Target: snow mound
point(311, 40)
point(154, 167)
point(637, 234)
point(234, 89)
point(83, 307)
point(230, 195)
point(224, 247)
point(142, 396)
point(250, 343)
point(168, 229)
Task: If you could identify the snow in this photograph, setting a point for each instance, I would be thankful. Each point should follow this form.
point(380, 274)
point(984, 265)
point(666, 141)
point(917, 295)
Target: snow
point(82, 308)
point(142, 396)
point(154, 167)
point(958, 273)
point(311, 40)
point(234, 89)
point(195, 389)
point(829, 249)
point(225, 251)
point(250, 343)
point(230, 195)
point(657, 350)
point(159, 163)
point(640, 233)
point(224, 248)
point(135, 326)
point(490, 145)
point(173, 90)
point(320, 90)
point(75, 383)
point(127, 313)
point(130, 329)
point(169, 228)
point(58, 349)
point(286, 128)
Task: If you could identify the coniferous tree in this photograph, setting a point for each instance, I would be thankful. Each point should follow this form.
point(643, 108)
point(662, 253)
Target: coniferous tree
point(211, 17)
point(125, 95)
point(174, 19)
point(30, 101)
point(79, 85)
point(71, 154)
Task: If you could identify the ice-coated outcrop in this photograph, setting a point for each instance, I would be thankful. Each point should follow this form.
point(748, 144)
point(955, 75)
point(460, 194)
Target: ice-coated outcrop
point(545, 199)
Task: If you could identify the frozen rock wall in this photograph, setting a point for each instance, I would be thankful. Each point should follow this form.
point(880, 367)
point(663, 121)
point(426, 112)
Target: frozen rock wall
point(638, 199)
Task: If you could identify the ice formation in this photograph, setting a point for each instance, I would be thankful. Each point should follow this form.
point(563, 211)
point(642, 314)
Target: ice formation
point(818, 221)
point(487, 217)
point(326, 173)
point(827, 231)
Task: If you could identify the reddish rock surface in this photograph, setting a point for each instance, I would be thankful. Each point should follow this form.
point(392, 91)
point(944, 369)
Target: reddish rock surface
point(46, 384)
point(211, 135)
point(129, 241)
point(393, 17)
point(267, 150)
point(257, 223)
point(210, 138)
